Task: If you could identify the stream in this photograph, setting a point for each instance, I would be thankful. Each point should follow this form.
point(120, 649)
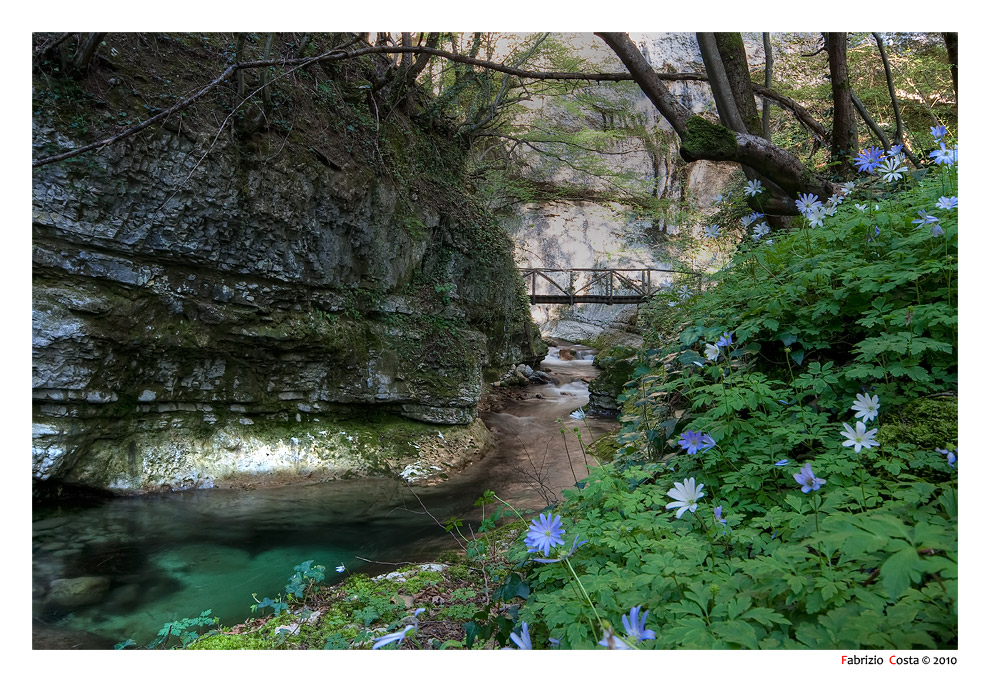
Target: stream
point(159, 558)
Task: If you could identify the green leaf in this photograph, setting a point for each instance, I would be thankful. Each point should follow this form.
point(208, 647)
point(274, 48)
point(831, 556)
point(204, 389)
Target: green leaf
point(738, 632)
point(900, 570)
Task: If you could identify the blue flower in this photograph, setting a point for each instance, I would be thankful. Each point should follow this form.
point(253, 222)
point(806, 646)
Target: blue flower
point(945, 156)
point(392, 637)
point(753, 187)
point(807, 202)
point(712, 231)
point(950, 456)
point(760, 231)
point(724, 340)
point(938, 132)
point(635, 625)
point(341, 569)
point(937, 230)
point(807, 479)
point(718, 516)
point(895, 150)
point(924, 218)
point(575, 544)
point(522, 640)
point(544, 535)
point(947, 203)
point(690, 441)
point(707, 442)
point(781, 463)
point(612, 641)
point(868, 159)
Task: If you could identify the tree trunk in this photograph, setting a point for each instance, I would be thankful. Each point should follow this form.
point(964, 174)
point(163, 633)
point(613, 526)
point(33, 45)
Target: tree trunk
point(733, 54)
point(701, 139)
point(844, 139)
point(718, 79)
point(642, 73)
point(406, 61)
point(88, 42)
point(767, 82)
point(952, 46)
point(266, 93)
point(239, 57)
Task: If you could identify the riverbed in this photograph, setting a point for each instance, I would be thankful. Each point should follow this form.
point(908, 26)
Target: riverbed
point(160, 558)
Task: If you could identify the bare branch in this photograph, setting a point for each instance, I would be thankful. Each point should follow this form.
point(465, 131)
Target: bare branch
point(178, 106)
point(868, 120)
point(51, 44)
point(338, 54)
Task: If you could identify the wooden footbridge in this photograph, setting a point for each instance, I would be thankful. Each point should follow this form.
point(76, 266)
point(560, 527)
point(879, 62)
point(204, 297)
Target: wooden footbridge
point(611, 286)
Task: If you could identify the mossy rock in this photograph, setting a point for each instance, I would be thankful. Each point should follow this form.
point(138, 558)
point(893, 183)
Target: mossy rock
point(926, 423)
point(604, 448)
point(609, 357)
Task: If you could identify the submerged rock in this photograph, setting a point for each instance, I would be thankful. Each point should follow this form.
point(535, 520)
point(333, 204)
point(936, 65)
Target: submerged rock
point(71, 593)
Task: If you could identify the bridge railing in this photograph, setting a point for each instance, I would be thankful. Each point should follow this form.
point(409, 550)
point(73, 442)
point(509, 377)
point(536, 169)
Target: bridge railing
point(595, 285)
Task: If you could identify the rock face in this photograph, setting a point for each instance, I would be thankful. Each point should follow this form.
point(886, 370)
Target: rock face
point(582, 233)
point(254, 299)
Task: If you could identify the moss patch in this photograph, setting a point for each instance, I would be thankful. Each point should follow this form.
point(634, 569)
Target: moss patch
point(707, 140)
point(927, 423)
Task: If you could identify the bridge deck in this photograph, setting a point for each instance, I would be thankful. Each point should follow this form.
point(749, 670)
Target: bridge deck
point(610, 286)
point(586, 298)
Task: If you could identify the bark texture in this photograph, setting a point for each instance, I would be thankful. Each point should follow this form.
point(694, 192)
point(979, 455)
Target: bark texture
point(844, 139)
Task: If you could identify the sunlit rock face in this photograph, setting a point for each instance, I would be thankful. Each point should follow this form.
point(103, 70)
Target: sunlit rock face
point(256, 296)
point(595, 233)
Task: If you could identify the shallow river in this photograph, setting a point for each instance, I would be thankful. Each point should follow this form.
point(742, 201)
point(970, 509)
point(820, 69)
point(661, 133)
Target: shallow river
point(167, 557)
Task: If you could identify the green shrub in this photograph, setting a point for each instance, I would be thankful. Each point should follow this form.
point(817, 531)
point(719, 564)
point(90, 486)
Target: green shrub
point(861, 553)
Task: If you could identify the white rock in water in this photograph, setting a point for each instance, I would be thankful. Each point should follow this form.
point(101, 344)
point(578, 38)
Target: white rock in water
point(73, 592)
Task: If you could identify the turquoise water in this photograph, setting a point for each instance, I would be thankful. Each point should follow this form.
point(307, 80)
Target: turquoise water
point(169, 557)
point(161, 558)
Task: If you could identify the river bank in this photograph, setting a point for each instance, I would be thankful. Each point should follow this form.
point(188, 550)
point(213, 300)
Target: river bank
point(121, 567)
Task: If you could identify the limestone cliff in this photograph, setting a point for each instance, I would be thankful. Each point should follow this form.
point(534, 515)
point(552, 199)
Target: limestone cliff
point(215, 301)
point(600, 230)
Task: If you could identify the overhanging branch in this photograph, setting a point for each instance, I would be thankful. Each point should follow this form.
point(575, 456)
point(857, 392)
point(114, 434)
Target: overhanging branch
point(339, 54)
